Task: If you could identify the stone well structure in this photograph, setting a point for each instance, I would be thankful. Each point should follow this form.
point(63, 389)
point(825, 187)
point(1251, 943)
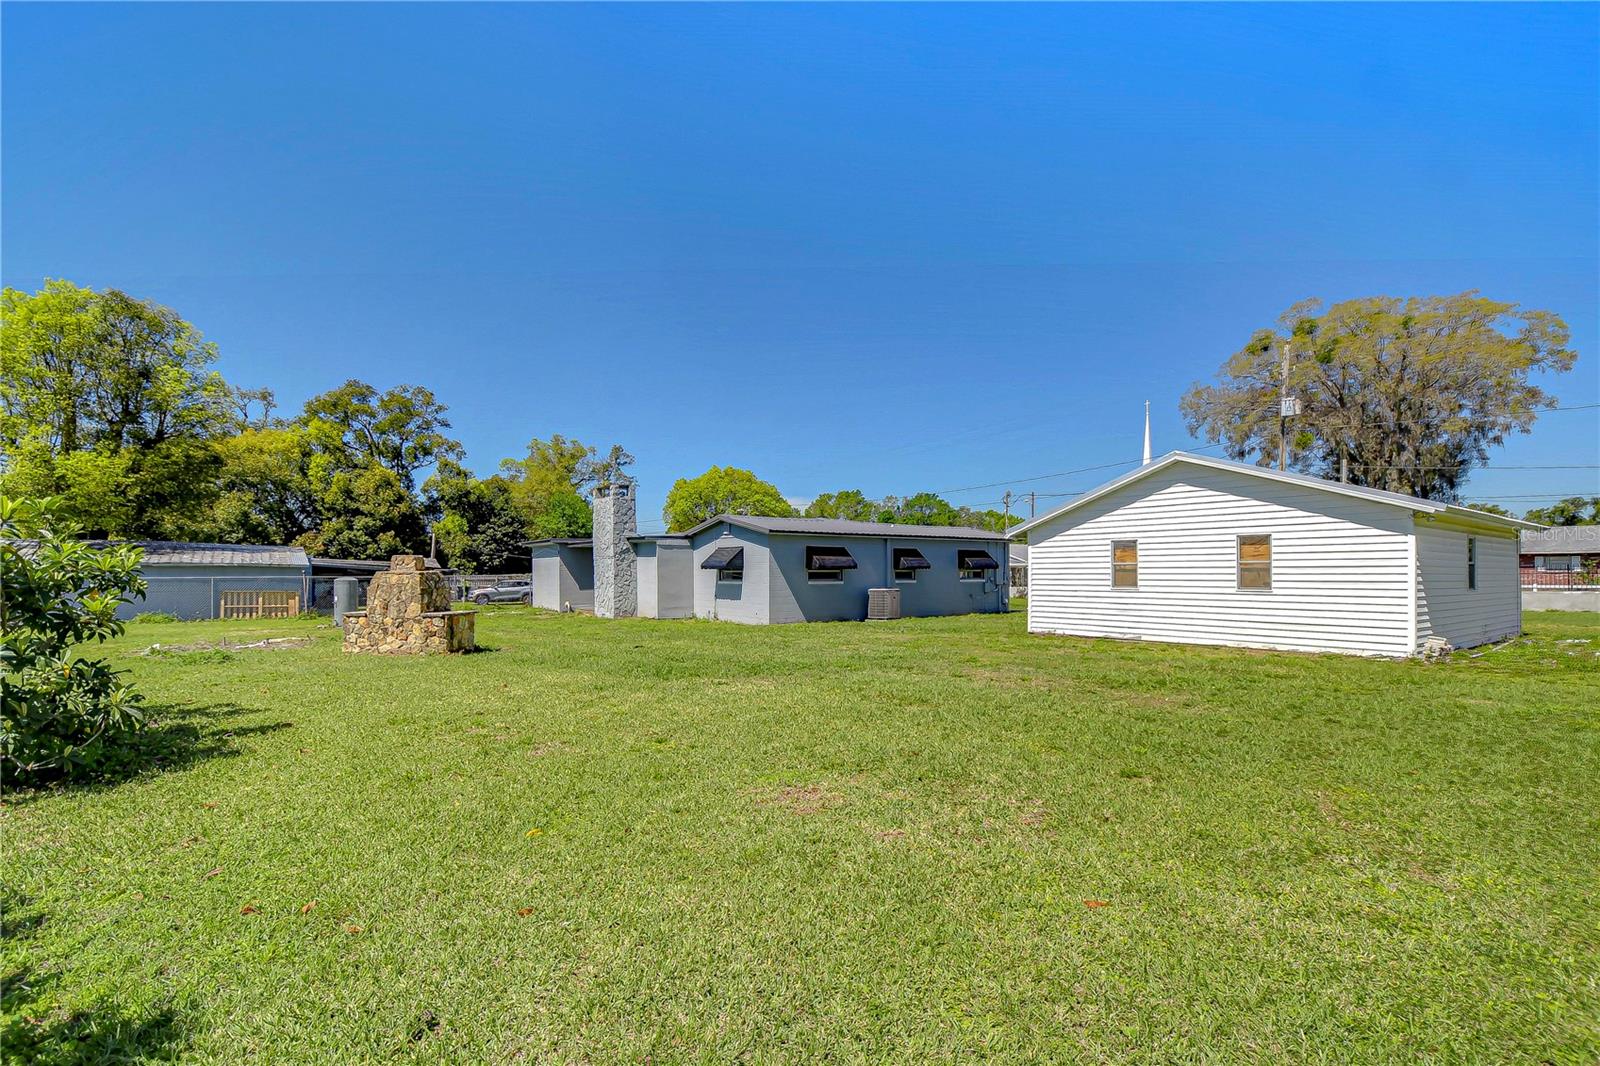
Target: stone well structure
point(408, 613)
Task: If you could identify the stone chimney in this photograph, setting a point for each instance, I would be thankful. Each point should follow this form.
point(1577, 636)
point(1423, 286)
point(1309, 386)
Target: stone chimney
point(616, 569)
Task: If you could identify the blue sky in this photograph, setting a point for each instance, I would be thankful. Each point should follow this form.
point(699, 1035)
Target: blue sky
point(891, 247)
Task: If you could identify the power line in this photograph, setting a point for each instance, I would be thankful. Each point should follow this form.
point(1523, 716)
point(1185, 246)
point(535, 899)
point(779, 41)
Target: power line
point(1046, 477)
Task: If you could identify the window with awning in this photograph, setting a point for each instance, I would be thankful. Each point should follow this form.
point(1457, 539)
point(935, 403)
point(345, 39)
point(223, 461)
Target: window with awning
point(828, 564)
point(728, 562)
point(907, 561)
point(974, 565)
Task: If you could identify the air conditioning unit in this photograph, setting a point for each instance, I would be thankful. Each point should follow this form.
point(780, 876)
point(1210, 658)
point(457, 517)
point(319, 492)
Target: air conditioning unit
point(883, 604)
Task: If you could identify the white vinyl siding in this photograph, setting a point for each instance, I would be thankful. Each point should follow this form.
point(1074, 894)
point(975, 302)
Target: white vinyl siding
point(1446, 606)
point(1341, 566)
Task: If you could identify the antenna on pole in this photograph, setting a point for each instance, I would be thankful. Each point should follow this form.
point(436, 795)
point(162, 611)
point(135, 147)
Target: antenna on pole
point(1146, 433)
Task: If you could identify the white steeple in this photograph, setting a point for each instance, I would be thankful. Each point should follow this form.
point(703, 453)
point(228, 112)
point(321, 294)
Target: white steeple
point(1146, 433)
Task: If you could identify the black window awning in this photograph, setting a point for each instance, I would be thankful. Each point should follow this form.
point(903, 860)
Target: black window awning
point(724, 559)
point(975, 560)
point(829, 559)
point(910, 559)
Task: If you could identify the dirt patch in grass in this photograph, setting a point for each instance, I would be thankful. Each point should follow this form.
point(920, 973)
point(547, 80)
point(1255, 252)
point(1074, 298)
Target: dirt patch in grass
point(268, 644)
point(801, 799)
point(1006, 677)
point(1033, 815)
point(888, 834)
point(1330, 812)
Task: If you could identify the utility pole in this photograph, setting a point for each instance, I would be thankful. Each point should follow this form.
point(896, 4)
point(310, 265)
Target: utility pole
point(1283, 411)
point(1033, 498)
point(1006, 499)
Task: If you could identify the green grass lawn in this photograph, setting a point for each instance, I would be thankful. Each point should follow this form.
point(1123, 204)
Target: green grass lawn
point(934, 839)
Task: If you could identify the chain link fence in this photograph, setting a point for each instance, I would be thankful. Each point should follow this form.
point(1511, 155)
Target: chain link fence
point(193, 598)
point(462, 586)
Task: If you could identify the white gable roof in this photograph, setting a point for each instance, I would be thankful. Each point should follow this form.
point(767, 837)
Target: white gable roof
point(1395, 499)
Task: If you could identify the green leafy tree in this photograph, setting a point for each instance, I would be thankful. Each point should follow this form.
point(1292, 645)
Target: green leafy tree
point(565, 514)
point(1572, 511)
point(551, 484)
point(267, 496)
point(995, 521)
point(109, 403)
point(1406, 394)
point(401, 430)
point(479, 527)
point(61, 713)
point(365, 513)
point(923, 509)
point(850, 504)
point(721, 490)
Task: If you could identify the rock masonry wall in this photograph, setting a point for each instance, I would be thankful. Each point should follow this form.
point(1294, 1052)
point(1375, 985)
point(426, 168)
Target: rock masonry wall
point(616, 569)
point(408, 613)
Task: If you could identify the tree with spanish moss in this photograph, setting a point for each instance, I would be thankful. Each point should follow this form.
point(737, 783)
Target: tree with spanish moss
point(1399, 394)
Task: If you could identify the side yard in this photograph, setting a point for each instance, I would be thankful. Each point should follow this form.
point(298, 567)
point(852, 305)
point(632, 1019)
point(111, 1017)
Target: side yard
point(933, 839)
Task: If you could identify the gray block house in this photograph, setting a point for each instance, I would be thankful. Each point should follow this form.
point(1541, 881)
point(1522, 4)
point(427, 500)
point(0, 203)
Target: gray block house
point(761, 570)
point(764, 570)
point(189, 580)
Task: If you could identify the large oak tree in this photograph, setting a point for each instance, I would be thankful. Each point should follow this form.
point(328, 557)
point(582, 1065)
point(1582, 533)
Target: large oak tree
point(109, 403)
point(1400, 394)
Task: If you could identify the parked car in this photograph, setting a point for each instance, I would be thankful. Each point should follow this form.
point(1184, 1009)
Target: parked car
point(505, 592)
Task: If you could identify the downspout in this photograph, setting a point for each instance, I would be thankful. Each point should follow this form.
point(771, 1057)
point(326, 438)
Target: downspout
point(1003, 593)
point(888, 568)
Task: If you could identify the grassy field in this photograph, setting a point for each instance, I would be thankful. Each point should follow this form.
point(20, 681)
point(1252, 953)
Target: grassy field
point(935, 839)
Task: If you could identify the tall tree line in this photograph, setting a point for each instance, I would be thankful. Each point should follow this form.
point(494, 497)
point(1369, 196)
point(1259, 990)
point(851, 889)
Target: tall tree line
point(113, 405)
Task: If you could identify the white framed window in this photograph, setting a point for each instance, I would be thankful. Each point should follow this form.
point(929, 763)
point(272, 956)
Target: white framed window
point(1472, 562)
point(730, 577)
point(1125, 564)
point(1255, 561)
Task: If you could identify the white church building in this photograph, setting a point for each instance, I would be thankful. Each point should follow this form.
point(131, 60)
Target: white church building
point(1194, 550)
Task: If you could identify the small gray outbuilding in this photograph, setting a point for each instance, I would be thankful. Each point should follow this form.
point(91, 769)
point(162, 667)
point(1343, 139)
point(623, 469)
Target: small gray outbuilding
point(563, 574)
point(192, 580)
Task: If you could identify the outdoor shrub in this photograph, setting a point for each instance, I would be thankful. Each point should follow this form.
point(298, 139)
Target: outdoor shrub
point(60, 714)
point(155, 616)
